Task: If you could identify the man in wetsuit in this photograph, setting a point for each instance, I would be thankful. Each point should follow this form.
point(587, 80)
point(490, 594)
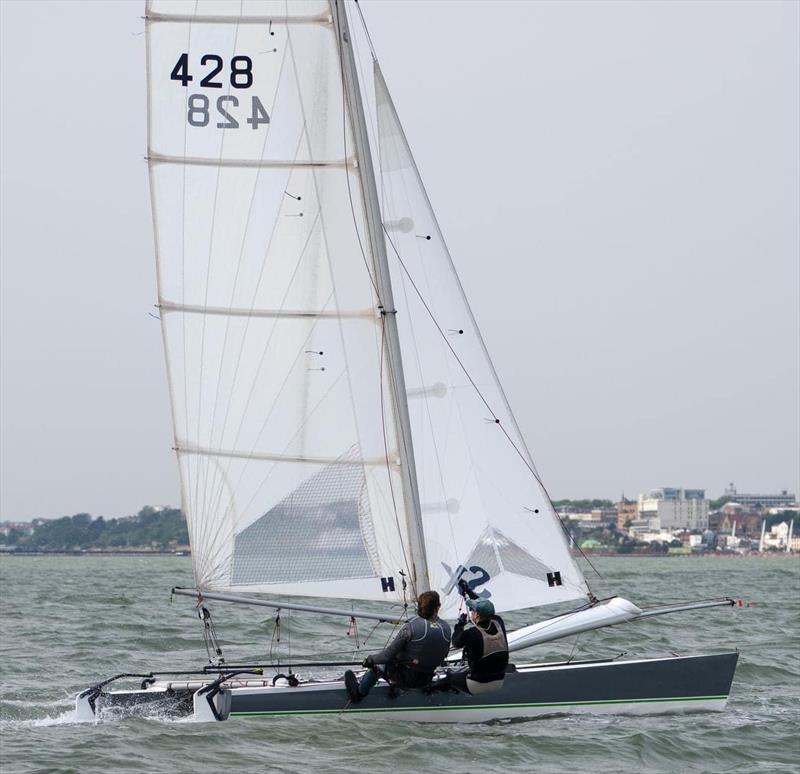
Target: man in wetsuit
point(411, 658)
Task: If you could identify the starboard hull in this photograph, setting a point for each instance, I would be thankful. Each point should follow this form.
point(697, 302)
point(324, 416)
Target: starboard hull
point(646, 686)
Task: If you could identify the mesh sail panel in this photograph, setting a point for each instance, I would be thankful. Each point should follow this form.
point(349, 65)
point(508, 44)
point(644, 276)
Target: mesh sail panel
point(497, 529)
point(316, 533)
point(274, 343)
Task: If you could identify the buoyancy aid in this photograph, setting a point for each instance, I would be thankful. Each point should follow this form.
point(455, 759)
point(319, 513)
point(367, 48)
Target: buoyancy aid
point(494, 657)
point(493, 643)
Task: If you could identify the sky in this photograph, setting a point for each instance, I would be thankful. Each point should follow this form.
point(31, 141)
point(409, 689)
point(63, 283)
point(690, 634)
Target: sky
point(618, 183)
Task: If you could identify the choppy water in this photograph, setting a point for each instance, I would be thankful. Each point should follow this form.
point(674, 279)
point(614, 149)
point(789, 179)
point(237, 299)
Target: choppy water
point(69, 621)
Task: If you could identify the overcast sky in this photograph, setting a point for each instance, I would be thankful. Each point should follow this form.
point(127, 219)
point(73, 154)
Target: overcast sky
point(618, 184)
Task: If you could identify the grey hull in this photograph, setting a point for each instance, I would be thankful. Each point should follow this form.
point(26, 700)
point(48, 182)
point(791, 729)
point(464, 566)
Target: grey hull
point(674, 684)
point(695, 682)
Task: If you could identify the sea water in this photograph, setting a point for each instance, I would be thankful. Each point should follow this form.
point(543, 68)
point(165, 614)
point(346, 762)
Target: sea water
point(68, 622)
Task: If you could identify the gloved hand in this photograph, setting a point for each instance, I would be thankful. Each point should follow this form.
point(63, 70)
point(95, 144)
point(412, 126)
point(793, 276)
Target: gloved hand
point(465, 590)
point(462, 619)
point(368, 662)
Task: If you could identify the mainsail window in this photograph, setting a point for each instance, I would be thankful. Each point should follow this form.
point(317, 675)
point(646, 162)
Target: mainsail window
point(316, 533)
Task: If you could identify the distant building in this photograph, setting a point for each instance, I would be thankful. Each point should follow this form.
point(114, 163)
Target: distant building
point(627, 511)
point(597, 518)
point(780, 535)
point(747, 520)
point(772, 500)
point(675, 508)
point(643, 526)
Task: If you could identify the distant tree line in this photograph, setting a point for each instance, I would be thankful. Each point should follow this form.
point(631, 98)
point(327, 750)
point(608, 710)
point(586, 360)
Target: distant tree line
point(150, 528)
point(582, 506)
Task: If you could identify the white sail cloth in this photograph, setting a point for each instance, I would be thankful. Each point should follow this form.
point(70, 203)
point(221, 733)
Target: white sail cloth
point(276, 349)
point(274, 343)
point(486, 516)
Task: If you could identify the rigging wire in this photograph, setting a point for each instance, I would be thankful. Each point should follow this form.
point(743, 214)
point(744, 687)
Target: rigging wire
point(386, 451)
point(366, 32)
point(377, 294)
point(574, 647)
point(347, 173)
point(496, 419)
point(390, 203)
point(210, 638)
point(276, 638)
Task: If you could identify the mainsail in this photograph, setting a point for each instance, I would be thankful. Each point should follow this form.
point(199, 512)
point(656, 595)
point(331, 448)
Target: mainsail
point(295, 432)
point(289, 459)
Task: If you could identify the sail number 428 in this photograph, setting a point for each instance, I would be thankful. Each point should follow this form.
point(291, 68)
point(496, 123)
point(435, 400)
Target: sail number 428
point(198, 106)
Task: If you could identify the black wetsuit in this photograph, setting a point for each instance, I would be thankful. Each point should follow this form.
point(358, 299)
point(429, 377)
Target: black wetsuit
point(412, 656)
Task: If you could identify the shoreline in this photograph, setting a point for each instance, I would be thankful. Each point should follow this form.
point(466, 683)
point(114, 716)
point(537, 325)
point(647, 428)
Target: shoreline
point(187, 554)
point(80, 554)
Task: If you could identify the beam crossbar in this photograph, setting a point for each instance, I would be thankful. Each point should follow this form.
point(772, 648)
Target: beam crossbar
point(277, 605)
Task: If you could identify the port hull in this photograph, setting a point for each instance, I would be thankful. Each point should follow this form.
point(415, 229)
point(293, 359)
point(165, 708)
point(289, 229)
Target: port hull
point(643, 686)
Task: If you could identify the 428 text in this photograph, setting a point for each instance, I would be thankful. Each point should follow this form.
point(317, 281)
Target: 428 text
point(198, 106)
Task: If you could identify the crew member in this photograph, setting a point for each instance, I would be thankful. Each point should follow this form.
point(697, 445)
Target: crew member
point(484, 645)
point(412, 657)
point(485, 649)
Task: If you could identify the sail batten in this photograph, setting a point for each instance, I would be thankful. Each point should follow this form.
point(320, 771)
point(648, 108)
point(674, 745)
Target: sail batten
point(364, 314)
point(160, 158)
point(237, 19)
point(274, 457)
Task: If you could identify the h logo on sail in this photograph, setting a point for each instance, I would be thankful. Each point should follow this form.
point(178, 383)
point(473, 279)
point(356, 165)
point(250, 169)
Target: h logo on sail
point(554, 579)
point(387, 584)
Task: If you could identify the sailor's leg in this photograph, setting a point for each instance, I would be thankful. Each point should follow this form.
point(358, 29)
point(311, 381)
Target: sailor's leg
point(367, 682)
point(453, 680)
point(458, 680)
point(476, 688)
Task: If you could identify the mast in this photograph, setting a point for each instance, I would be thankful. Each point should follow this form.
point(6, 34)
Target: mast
point(419, 564)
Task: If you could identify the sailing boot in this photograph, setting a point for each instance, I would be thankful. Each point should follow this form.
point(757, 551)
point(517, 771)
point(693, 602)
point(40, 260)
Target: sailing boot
point(351, 684)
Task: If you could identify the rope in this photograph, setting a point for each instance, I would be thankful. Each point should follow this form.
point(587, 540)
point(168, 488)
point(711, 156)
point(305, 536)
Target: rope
point(276, 637)
point(574, 647)
point(352, 631)
point(210, 639)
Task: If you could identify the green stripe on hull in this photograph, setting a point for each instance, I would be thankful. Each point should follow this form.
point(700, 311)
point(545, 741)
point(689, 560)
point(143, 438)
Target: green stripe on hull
point(478, 706)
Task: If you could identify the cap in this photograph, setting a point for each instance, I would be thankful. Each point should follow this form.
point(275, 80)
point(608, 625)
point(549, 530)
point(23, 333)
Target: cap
point(483, 607)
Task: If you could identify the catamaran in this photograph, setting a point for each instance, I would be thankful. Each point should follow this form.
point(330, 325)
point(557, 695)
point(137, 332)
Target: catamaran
point(339, 427)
